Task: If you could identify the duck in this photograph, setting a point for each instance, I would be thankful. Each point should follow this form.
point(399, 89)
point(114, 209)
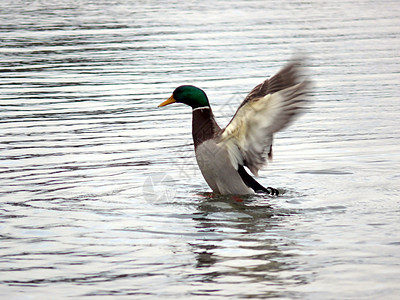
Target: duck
point(223, 154)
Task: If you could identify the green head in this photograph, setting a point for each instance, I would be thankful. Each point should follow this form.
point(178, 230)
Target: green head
point(189, 95)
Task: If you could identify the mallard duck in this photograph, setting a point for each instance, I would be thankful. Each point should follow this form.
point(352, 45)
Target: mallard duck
point(222, 154)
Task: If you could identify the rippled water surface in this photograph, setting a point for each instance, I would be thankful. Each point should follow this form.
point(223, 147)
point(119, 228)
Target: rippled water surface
point(100, 192)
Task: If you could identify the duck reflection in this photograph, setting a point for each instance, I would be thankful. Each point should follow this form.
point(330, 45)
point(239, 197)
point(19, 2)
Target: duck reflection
point(239, 240)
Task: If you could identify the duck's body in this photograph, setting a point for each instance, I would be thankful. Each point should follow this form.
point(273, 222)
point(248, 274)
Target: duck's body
point(247, 140)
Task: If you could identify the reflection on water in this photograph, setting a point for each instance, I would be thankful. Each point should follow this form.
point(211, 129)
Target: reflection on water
point(238, 245)
point(242, 240)
point(100, 191)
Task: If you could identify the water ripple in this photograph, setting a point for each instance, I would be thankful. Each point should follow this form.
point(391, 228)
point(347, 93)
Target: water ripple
point(100, 191)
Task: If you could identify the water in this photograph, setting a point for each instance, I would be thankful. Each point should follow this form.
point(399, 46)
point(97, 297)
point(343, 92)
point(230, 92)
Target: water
point(100, 192)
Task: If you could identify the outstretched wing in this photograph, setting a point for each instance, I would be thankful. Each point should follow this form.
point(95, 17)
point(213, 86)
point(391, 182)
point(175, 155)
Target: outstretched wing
point(269, 107)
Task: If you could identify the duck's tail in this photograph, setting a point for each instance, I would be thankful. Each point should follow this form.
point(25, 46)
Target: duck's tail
point(252, 183)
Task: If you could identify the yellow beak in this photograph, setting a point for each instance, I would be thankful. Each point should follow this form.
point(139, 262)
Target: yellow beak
point(168, 101)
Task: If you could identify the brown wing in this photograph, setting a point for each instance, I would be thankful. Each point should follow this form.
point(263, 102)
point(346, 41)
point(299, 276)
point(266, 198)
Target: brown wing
point(270, 107)
point(286, 77)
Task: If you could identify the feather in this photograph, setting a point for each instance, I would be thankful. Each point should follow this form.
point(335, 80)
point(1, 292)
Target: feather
point(269, 107)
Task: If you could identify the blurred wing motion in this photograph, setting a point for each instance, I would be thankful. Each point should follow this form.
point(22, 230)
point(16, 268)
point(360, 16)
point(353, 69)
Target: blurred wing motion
point(268, 108)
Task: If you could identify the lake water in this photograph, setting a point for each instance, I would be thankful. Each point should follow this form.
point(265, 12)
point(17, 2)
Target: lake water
point(101, 197)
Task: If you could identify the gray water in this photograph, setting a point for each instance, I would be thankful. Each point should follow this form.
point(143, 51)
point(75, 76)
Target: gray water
point(101, 197)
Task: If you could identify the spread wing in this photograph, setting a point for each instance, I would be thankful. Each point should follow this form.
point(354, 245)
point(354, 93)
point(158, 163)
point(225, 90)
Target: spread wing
point(269, 107)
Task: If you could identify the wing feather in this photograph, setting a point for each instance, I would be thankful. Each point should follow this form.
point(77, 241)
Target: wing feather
point(269, 107)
